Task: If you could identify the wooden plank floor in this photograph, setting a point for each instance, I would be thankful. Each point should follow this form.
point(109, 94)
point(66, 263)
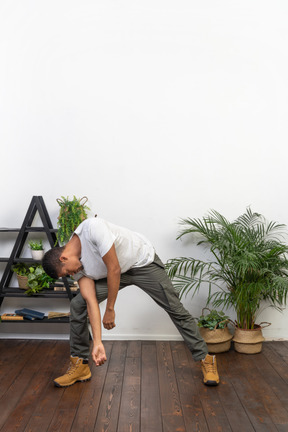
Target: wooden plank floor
point(143, 387)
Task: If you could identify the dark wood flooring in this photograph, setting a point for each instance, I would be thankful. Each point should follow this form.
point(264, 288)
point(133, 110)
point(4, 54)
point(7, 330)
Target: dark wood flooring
point(143, 387)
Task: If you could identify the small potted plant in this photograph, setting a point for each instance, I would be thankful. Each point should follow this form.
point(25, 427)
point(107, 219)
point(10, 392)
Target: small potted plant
point(37, 250)
point(22, 272)
point(214, 330)
point(33, 278)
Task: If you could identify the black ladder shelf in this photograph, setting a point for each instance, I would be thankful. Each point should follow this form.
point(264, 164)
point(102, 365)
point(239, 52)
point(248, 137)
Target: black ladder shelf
point(37, 205)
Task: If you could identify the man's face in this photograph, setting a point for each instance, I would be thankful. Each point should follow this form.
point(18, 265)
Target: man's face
point(70, 266)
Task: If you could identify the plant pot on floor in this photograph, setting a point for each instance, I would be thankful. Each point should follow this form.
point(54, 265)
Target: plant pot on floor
point(249, 341)
point(217, 340)
point(213, 328)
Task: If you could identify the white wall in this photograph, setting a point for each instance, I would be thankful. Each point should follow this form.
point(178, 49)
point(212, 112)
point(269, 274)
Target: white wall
point(156, 110)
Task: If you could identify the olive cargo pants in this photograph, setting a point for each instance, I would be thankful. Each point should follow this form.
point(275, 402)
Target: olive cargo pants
point(154, 281)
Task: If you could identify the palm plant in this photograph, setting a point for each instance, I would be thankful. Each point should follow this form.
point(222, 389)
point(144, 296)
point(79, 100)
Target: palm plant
point(248, 264)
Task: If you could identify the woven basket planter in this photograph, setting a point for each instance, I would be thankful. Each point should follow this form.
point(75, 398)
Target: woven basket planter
point(217, 340)
point(22, 282)
point(249, 341)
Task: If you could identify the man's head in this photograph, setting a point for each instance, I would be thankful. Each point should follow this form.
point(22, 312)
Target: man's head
point(57, 263)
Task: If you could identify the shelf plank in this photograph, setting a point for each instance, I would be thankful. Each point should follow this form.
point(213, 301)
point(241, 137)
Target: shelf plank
point(28, 229)
point(17, 292)
point(40, 229)
point(45, 320)
point(24, 260)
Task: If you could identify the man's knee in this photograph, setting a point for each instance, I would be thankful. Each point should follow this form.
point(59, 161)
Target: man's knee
point(77, 305)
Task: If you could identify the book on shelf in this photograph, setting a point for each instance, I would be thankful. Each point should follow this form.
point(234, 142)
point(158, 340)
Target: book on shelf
point(30, 314)
point(73, 288)
point(73, 285)
point(11, 317)
point(52, 315)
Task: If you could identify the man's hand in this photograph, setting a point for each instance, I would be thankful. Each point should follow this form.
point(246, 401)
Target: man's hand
point(98, 354)
point(109, 319)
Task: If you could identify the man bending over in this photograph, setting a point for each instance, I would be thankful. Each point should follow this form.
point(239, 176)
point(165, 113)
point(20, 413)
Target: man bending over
point(105, 258)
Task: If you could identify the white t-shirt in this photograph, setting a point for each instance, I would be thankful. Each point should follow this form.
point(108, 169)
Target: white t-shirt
point(97, 236)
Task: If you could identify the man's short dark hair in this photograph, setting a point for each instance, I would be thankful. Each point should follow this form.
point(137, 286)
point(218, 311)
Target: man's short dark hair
point(51, 261)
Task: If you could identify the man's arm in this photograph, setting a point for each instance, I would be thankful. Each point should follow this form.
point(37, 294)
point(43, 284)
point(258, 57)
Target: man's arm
point(113, 282)
point(87, 289)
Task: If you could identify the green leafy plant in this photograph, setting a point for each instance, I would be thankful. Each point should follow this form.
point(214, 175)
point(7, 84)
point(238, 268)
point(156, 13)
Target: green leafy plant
point(214, 319)
point(72, 213)
point(21, 269)
point(37, 278)
point(35, 245)
point(248, 264)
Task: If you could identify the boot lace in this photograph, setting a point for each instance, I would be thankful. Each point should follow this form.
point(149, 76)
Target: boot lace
point(72, 367)
point(210, 367)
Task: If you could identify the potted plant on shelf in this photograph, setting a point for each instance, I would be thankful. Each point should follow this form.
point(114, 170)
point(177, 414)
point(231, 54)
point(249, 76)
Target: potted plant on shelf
point(248, 265)
point(72, 213)
point(37, 250)
point(214, 329)
point(32, 278)
point(22, 272)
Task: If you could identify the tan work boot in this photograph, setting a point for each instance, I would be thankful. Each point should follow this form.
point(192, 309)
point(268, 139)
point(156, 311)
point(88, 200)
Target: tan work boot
point(209, 369)
point(78, 370)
